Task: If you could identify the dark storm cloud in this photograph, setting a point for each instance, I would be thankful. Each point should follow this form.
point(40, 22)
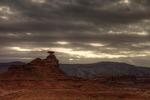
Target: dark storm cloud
point(104, 38)
point(60, 15)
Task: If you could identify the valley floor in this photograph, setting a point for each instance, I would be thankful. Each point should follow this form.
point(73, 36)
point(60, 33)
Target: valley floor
point(73, 90)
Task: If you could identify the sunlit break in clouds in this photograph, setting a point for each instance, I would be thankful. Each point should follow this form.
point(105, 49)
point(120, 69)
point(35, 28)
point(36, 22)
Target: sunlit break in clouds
point(62, 42)
point(39, 1)
point(80, 31)
point(125, 1)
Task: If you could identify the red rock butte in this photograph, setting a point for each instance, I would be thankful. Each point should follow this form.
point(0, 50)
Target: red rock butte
point(37, 69)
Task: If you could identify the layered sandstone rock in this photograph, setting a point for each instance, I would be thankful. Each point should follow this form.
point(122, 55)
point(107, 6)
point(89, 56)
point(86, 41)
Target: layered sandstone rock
point(38, 69)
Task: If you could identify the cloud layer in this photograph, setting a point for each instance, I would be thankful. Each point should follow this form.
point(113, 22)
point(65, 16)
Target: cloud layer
point(81, 30)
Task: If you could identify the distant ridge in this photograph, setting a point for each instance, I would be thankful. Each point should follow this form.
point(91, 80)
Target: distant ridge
point(4, 66)
point(105, 69)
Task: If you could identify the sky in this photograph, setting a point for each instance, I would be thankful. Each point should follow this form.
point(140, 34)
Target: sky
point(80, 31)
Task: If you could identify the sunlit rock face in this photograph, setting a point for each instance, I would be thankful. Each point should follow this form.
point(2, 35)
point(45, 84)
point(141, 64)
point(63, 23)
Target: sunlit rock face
point(37, 69)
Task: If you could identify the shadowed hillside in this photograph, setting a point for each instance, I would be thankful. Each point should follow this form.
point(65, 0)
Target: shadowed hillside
point(105, 69)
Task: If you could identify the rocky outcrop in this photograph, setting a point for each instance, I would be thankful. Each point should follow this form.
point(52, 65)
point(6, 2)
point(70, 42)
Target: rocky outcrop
point(37, 69)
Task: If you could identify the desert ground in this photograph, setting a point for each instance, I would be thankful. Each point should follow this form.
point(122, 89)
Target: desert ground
point(72, 90)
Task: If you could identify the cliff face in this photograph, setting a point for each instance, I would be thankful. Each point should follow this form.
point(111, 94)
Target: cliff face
point(38, 69)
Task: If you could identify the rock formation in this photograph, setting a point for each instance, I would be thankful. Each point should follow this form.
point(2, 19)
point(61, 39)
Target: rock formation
point(37, 69)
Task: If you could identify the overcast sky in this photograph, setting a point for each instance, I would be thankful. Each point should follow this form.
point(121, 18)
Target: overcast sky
point(80, 31)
